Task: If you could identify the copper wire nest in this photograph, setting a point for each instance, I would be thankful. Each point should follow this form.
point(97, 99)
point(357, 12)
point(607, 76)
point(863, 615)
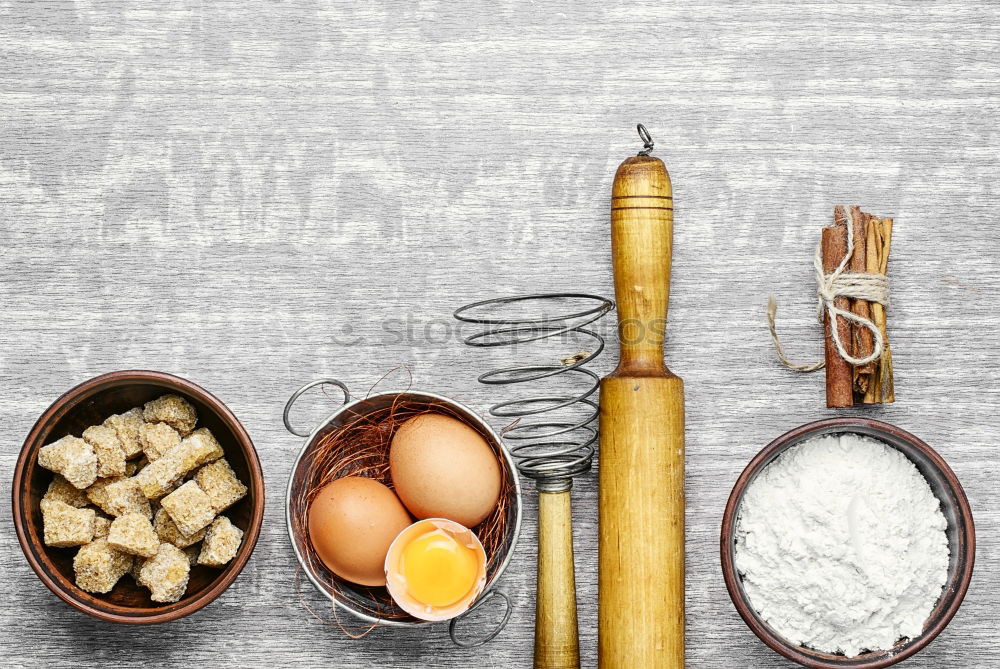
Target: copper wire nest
point(357, 444)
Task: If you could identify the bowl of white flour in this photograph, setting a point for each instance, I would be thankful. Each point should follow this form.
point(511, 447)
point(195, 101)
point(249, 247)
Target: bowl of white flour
point(847, 542)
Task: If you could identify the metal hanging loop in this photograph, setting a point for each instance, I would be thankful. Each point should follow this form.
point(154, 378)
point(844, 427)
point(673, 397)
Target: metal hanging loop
point(647, 140)
point(473, 643)
point(285, 416)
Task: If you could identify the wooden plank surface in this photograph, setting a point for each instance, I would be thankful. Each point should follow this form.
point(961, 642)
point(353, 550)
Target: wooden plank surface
point(254, 194)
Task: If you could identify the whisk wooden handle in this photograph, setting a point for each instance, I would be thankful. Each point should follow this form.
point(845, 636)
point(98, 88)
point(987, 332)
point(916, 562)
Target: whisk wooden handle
point(556, 644)
point(641, 501)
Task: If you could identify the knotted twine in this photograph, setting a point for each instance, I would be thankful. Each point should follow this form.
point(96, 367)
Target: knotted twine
point(839, 283)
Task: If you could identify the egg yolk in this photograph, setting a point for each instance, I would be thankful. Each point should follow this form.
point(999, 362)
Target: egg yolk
point(438, 570)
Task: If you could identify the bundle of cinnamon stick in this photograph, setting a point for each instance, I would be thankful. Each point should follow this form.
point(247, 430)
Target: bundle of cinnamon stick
point(846, 384)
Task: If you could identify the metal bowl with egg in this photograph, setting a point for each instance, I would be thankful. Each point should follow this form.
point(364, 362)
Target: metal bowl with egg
point(371, 603)
point(960, 534)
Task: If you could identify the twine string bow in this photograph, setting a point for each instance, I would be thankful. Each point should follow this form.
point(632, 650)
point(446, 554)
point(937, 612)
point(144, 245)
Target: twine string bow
point(839, 283)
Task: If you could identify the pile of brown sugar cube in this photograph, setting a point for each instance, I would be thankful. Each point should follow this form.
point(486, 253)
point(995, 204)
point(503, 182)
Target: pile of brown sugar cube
point(159, 486)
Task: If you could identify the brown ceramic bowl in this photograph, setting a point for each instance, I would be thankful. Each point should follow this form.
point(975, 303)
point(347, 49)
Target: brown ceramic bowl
point(89, 404)
point(961, 540)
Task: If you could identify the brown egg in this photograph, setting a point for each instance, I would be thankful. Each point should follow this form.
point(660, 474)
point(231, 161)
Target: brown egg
point(352, 523)
point(442, 468)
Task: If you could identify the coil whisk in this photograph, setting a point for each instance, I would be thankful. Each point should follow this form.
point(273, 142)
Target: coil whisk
point(554, 433)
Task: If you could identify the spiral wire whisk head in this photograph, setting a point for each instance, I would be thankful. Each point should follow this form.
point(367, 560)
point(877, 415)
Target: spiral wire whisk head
point(558, 430)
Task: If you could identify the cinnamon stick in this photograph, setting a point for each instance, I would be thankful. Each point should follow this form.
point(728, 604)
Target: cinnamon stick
point(862, 340)
point(888, 391)
point(881, 388)
point(839, 374)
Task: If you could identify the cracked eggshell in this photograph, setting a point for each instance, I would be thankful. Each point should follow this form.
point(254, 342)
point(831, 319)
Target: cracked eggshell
point(396, 582)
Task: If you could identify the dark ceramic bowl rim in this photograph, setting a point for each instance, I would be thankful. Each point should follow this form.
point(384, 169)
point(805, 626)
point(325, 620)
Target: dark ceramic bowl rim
point(66, 403)
point(961, 576)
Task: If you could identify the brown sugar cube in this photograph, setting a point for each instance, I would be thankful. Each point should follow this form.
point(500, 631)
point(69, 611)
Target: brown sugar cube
point(173, 410)
point(66, 525)
point(189, 507)
point(61, 490)
point(120, 496)
point(166, 574)
point(98, 566)
point(96, 493)
point(196, 449)
point(73, 458)
point(125, 496)
point(127, 426)
point(108, 448)
point(102, 525)
point(221, 543)
point(157, 439)
point(133, 534)
point(161, 477)
point(219, 481)
point(167, 530)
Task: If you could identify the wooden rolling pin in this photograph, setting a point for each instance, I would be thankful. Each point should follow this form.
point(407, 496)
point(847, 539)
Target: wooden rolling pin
point(641, 502)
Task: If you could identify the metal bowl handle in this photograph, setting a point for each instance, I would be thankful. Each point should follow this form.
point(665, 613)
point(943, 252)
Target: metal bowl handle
point(298, 393)
point(508, 610)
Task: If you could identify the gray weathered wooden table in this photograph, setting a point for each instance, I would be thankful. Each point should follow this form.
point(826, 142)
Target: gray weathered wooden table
point(254, 194)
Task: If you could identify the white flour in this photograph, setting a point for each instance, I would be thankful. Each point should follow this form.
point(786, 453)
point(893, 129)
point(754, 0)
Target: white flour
point(841, 545)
